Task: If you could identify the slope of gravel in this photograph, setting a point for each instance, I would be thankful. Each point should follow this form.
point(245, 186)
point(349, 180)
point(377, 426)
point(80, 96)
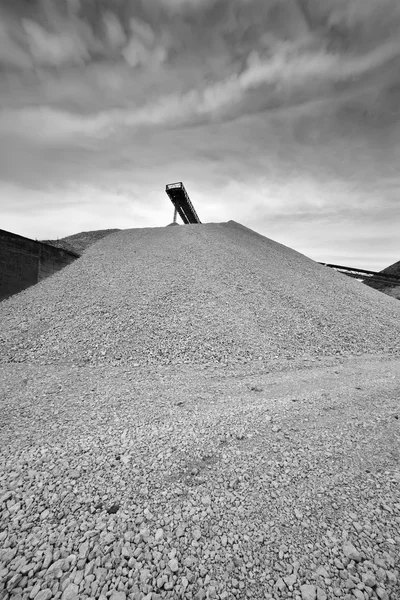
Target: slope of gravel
point(390, 290)
point(61, 244)
point(80, 242)
point(200, 485)
point(215, 293)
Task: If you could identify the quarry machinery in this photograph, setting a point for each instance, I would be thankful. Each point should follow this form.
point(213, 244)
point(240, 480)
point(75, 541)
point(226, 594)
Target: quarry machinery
point(364, 274)
point(182, 204)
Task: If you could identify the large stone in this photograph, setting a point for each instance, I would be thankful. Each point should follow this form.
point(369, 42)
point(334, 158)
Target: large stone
point(44, 595)
point(196, 534)
point(109, 538)
point(35, 590)
point(280, 584)
point(188, 561)
point(368, 578)
point(323, 572)
point(308, 592)
point(84, 550)
point(321, 594)
point(180, 530)
point(391, 577)
point(48, 559)
point(298, 514)
point(118, 596)
point(351, 552)
point(71, 592)
point(173, 565)
point(59, 565)
point(7, 554)
point(101, 574)
point(14, 581)
point(144, 575)
point(290, 579)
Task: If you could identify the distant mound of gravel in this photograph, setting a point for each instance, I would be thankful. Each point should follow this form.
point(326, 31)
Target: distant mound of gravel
point(194, 294)
point(393, 270)
point(393, 291)
point(61, 244)
point(80, 242)
point(390, 289)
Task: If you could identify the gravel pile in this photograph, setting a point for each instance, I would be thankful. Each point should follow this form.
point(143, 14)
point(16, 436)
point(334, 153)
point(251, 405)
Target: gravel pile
point(203, 294)
point(64, 245)
point(147, 453)
point(80, 242)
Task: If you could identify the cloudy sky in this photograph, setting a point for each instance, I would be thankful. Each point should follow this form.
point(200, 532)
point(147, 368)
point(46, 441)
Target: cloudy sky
point(283, 115)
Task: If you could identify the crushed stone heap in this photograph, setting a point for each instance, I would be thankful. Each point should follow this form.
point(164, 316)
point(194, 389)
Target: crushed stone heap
point(80, 242)
point(195, 294)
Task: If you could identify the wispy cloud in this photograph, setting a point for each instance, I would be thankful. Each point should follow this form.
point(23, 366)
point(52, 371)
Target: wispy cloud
point(54, 49)
point(11, 53)
point(232, 48)
point(114, 33)
point(284, 80)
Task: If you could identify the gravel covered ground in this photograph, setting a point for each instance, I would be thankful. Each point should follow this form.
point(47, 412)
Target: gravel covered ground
point(264, 467)
point(201, 483)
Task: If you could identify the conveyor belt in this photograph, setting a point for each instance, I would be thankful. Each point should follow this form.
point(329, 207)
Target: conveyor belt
point(364, 274)
point(180, 199)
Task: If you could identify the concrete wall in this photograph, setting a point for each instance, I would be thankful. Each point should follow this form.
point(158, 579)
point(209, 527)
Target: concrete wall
point(24, 262)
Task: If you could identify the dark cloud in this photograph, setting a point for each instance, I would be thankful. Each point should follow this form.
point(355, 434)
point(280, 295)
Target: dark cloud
point(76, 31)
point(222, 57)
